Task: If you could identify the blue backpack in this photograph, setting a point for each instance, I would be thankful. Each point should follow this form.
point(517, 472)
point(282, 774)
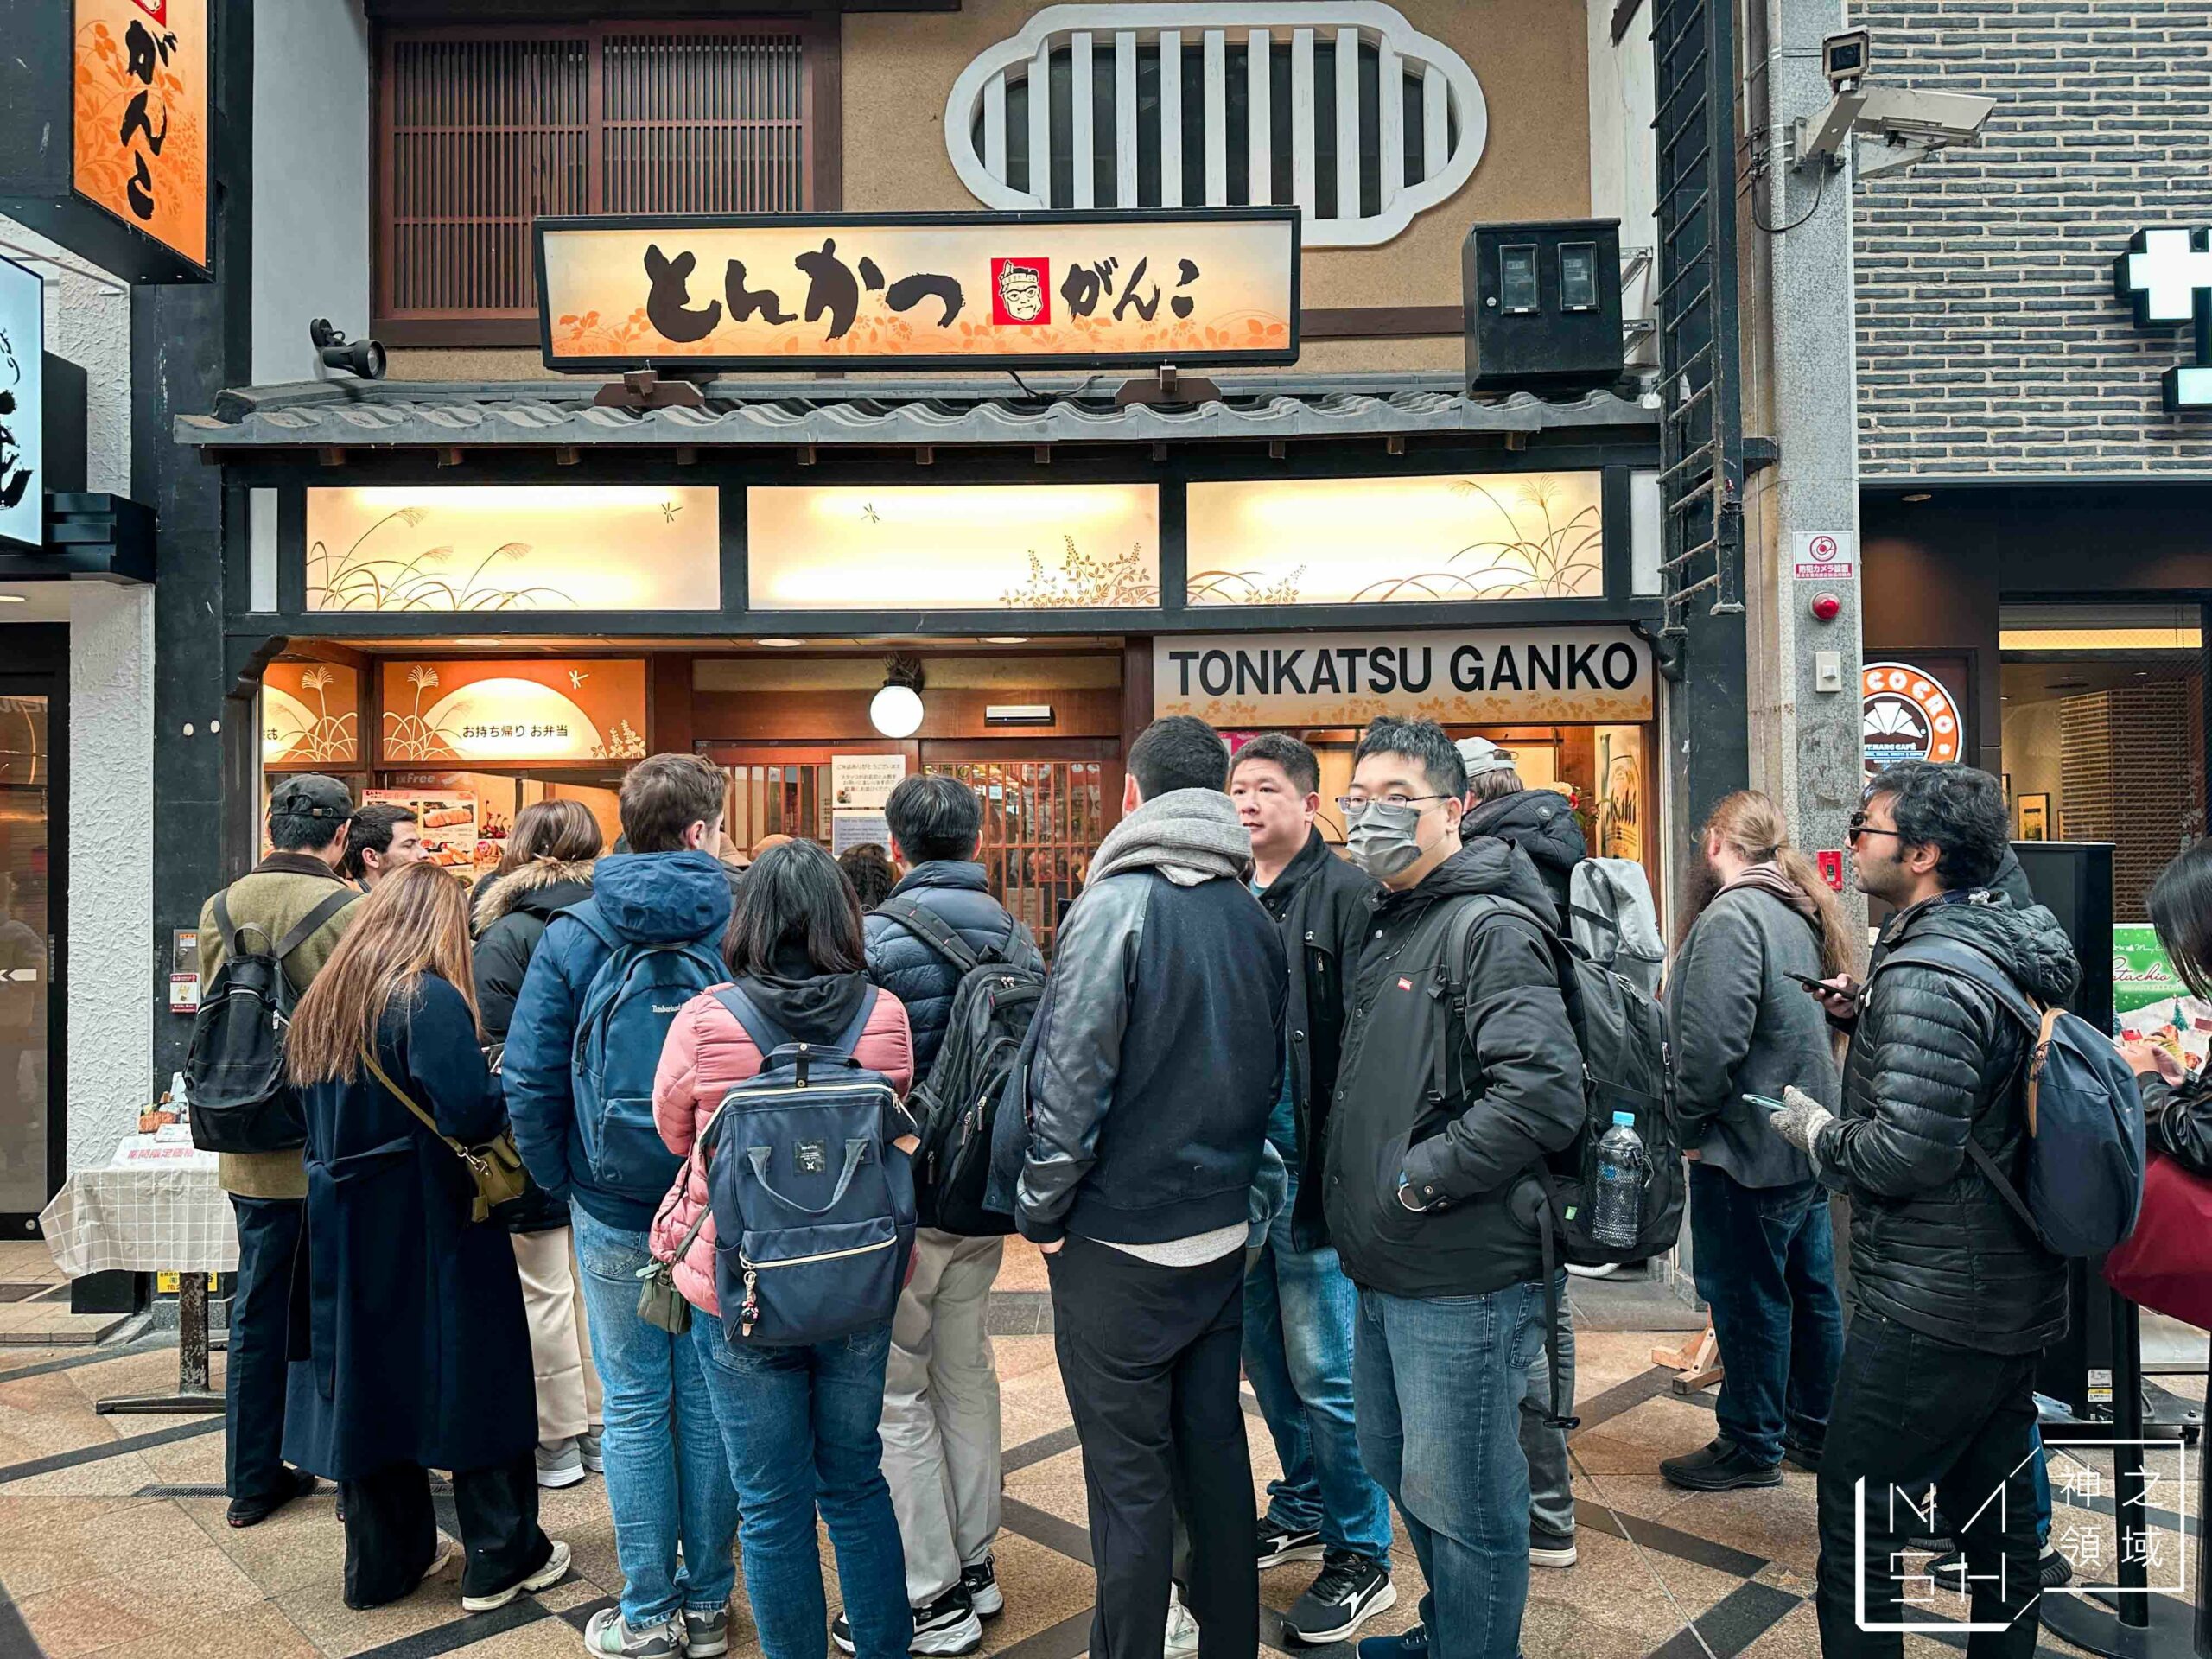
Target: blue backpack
point(623, 1023)
point(814, 1207)
point(2084, 1114)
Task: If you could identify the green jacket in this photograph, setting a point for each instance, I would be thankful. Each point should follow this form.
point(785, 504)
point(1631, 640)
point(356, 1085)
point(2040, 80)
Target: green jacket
point(271, 897)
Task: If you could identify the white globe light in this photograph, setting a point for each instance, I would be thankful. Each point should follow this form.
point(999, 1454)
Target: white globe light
point(896, 711)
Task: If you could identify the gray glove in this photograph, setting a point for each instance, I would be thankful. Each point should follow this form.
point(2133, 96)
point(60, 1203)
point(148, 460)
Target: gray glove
point(1801, 1119)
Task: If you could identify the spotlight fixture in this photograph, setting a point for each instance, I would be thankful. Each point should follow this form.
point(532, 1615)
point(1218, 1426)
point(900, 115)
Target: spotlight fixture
point(896, 710)
point(362, 359)
point(1916, 496)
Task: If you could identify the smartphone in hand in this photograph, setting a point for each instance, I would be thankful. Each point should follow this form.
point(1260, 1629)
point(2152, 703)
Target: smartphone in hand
point(1767, 1101)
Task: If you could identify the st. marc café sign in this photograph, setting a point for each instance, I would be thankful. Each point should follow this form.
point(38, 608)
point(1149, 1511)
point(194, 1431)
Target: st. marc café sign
point(1467, 677)
point(1196, 288)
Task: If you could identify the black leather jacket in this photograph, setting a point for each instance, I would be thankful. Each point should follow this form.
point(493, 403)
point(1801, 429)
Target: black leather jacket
point(1934, 1059)
point(2179, 1117)
point(1321, 905)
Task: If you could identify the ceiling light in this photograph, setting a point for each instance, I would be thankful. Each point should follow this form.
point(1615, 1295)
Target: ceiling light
point(779, 644)
point(1005, 638)
point(1919, 495)
point(896, 710)
point(14, 599)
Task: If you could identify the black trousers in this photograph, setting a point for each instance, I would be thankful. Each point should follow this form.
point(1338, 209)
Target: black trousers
point(260, 1342)
point(1911, 1410)
point(1150, 1356)
point(391, 1531)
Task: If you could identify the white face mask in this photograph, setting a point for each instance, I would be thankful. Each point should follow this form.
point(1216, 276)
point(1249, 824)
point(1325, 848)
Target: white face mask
point(1384, 838)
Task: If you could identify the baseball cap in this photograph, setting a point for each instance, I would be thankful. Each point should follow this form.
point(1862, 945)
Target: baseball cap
point(312, 795)
point(1481, 757)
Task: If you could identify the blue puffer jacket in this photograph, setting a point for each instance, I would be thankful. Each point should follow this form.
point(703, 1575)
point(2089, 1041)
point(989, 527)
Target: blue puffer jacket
point(648, 897)
point(910, 970)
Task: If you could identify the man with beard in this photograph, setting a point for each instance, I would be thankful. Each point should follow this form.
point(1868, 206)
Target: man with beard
point(1757, 913)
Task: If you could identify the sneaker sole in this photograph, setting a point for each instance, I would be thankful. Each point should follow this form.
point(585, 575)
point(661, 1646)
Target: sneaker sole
point(1381, 1601)
point(556, 1569)
point(712, 1648)
point(1296, 1553)
point(1561, 1558)
point(964, 1638)
point(1729, 1484)
point(554, 1479)
point(990, 1603)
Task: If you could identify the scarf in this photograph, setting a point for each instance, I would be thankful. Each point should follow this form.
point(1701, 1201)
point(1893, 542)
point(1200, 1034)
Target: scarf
point(1189, 836)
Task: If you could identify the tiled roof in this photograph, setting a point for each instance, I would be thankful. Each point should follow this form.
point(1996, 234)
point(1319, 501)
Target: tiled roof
point(990, 410)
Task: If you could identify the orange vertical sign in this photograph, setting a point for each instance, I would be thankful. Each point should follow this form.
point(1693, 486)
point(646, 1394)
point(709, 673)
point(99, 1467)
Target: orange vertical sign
point(142, 128)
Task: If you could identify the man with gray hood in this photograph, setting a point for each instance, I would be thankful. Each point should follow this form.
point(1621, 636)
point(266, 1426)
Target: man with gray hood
point(1156, 1055)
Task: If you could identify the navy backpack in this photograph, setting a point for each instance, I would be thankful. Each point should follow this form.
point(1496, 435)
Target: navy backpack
point(814, 1207)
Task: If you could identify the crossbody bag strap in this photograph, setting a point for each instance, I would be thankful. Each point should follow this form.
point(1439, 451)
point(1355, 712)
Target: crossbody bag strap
point(705, 1150)
point(933, 930)
point(407, 1101)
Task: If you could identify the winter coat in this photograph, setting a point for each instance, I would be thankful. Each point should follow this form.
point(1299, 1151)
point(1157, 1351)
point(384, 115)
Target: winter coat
point(2178, 1117)
point(1320, 904)
point(409, 1343)
point(1158, 1052)
point(510, 918)
point(959, 894)
point(1934, 1059)
point(1739, 1028)
point(1468, 1161)
point(708, 1055)
point(1541, 825)
point(654, 897)
point(271, 900)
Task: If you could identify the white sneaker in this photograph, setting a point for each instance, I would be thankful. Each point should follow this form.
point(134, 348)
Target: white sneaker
point(556, 1569)
point(560, 1463)
point(1182, 1628)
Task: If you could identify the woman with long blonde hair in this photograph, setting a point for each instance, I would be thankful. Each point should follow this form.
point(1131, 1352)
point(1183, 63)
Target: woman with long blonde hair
point(1757, 916)
point(418, 1357)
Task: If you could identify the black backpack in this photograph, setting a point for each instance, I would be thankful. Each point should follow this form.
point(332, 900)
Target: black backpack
point(1627, 1066)
point(957, 1105)
point(234, 1070)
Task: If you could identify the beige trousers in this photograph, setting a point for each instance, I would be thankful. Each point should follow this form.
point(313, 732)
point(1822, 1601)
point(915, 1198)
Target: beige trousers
point(560, 1341)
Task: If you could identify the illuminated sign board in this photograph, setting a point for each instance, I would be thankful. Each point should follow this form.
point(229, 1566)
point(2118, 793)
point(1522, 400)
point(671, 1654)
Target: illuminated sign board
point(140, 139)
point(22, 406)
point(506, 711)
point(1906, 715)
point(2166, 276)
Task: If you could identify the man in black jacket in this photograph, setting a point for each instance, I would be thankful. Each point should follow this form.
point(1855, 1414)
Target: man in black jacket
point(1460, 1073)
point(1537, 821)
point(1298, 1307)
point(1157, 1054)
point(1954, 1298)
point(941, 1389)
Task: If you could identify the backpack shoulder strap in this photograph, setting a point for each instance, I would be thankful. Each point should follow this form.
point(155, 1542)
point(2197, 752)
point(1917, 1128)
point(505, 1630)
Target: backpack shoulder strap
point(933, 930)
point(849, 1040)
point(586, 915)
point(767, 1036)
point(223, 927)
point(310, 925)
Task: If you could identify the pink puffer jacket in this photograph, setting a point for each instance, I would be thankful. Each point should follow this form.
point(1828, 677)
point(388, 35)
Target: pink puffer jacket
point(708, 1054)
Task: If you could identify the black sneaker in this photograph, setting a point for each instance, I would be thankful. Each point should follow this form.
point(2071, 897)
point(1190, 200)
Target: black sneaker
point(1280, 1543)
point(1550, 1549)
point(1350, 1589)
point(981, 1581)
point(947, 1626)
point(1722, 1466)
point(1950, 1572)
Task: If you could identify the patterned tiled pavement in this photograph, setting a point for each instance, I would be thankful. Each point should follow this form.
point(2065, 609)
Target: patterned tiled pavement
point(113, 1540)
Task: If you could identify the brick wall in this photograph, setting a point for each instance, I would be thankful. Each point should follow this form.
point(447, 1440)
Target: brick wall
point(1989, 340)
point(2126, 755)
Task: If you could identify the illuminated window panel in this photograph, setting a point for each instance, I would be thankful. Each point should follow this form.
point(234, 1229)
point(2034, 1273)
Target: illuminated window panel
point(489, 548)
point(1334, 541)
point(1019, 547)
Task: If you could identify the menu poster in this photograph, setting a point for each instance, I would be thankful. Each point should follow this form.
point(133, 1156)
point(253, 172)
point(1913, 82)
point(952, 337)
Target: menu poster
point(446, 819)
point(863, 782)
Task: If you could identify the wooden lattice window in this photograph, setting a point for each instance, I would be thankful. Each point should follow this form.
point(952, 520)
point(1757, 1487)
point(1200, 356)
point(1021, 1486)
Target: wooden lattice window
point(480, 129)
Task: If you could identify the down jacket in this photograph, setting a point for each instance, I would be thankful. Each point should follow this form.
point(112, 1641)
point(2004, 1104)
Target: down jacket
point(1934, 1059)
point(960, 896)
point(1541, 825)
point(707, 1056)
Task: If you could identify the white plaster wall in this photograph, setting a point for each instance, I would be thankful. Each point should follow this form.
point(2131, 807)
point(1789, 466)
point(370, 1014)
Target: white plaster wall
point(88, 321)
point(310, 180)
point(1623, 182)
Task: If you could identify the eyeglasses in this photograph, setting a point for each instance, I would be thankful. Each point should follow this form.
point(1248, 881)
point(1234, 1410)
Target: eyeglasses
point(1860, 827)
point(1349, 804)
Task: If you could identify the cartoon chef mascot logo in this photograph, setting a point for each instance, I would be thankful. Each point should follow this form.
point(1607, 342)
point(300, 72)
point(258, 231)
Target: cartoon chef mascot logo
point(1019, 295)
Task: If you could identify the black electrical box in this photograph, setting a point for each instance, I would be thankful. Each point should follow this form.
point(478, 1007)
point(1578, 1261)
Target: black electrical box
point(1543, 305)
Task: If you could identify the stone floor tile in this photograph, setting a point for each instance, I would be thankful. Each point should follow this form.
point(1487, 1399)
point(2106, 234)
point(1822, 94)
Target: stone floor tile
point(96, 1613)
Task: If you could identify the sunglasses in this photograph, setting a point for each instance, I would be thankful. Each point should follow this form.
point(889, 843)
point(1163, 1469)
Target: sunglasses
point(1860, 827)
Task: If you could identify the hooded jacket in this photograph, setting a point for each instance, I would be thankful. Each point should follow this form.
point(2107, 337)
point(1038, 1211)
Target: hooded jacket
point(1159, 1044)
point(659, 898)
point(1464, 1160)
point(1541, 825)
point(1934, 1059)
point(959, 894)
point(1320, 904)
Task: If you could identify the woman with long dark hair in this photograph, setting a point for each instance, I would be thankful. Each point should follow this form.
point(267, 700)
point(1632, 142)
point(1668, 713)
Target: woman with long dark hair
point(547, 868)
point(2177, 1107)
point(418, 1357)
point(799, 1423)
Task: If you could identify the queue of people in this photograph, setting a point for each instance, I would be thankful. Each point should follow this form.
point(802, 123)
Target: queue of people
point(1279, 1116)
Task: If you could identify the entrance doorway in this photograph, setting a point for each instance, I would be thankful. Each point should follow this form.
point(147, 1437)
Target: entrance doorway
point(33, 1129)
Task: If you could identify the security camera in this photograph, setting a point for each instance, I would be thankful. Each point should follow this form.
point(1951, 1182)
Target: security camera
point(1905, 124)
point(363, 358)
point(1844, 57)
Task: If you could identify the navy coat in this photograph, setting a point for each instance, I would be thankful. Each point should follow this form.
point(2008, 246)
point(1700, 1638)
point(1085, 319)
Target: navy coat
point(409, 1341)
point(900, 963)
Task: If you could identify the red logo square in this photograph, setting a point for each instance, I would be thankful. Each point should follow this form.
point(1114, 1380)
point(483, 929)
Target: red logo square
point(156, 9)
point(1021, 293)
point(1405, 984)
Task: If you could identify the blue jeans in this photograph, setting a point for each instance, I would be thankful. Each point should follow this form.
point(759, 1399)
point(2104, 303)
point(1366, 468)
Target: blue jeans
point(1440, 1381)
point(799, 1427)
point(1766, 1266)
point(1299, 1314)
point(667, 1480)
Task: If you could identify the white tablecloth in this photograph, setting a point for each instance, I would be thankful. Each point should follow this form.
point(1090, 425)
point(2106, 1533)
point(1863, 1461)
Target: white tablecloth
point(142, 1220)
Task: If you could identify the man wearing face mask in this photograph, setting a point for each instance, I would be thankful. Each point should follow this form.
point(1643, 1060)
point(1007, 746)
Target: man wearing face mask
point(1461, 1072)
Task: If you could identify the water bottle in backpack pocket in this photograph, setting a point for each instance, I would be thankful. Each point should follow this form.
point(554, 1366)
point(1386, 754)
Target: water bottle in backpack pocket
point(1619, 1172)
point(814, 1206)
point(626, 1010)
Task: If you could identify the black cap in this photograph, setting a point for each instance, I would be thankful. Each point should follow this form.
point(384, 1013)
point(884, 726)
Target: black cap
point(311, 795)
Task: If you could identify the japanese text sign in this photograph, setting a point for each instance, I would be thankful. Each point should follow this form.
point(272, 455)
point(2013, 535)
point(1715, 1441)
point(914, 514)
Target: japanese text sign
point(140, 101)
point(22, 406)
point(1192, 287)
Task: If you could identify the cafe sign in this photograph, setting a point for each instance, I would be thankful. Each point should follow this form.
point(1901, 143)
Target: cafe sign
point(1462, 676)
point(1191, 287)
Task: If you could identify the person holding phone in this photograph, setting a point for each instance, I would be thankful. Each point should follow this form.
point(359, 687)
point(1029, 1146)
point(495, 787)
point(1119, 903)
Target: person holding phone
point(1760, 927)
